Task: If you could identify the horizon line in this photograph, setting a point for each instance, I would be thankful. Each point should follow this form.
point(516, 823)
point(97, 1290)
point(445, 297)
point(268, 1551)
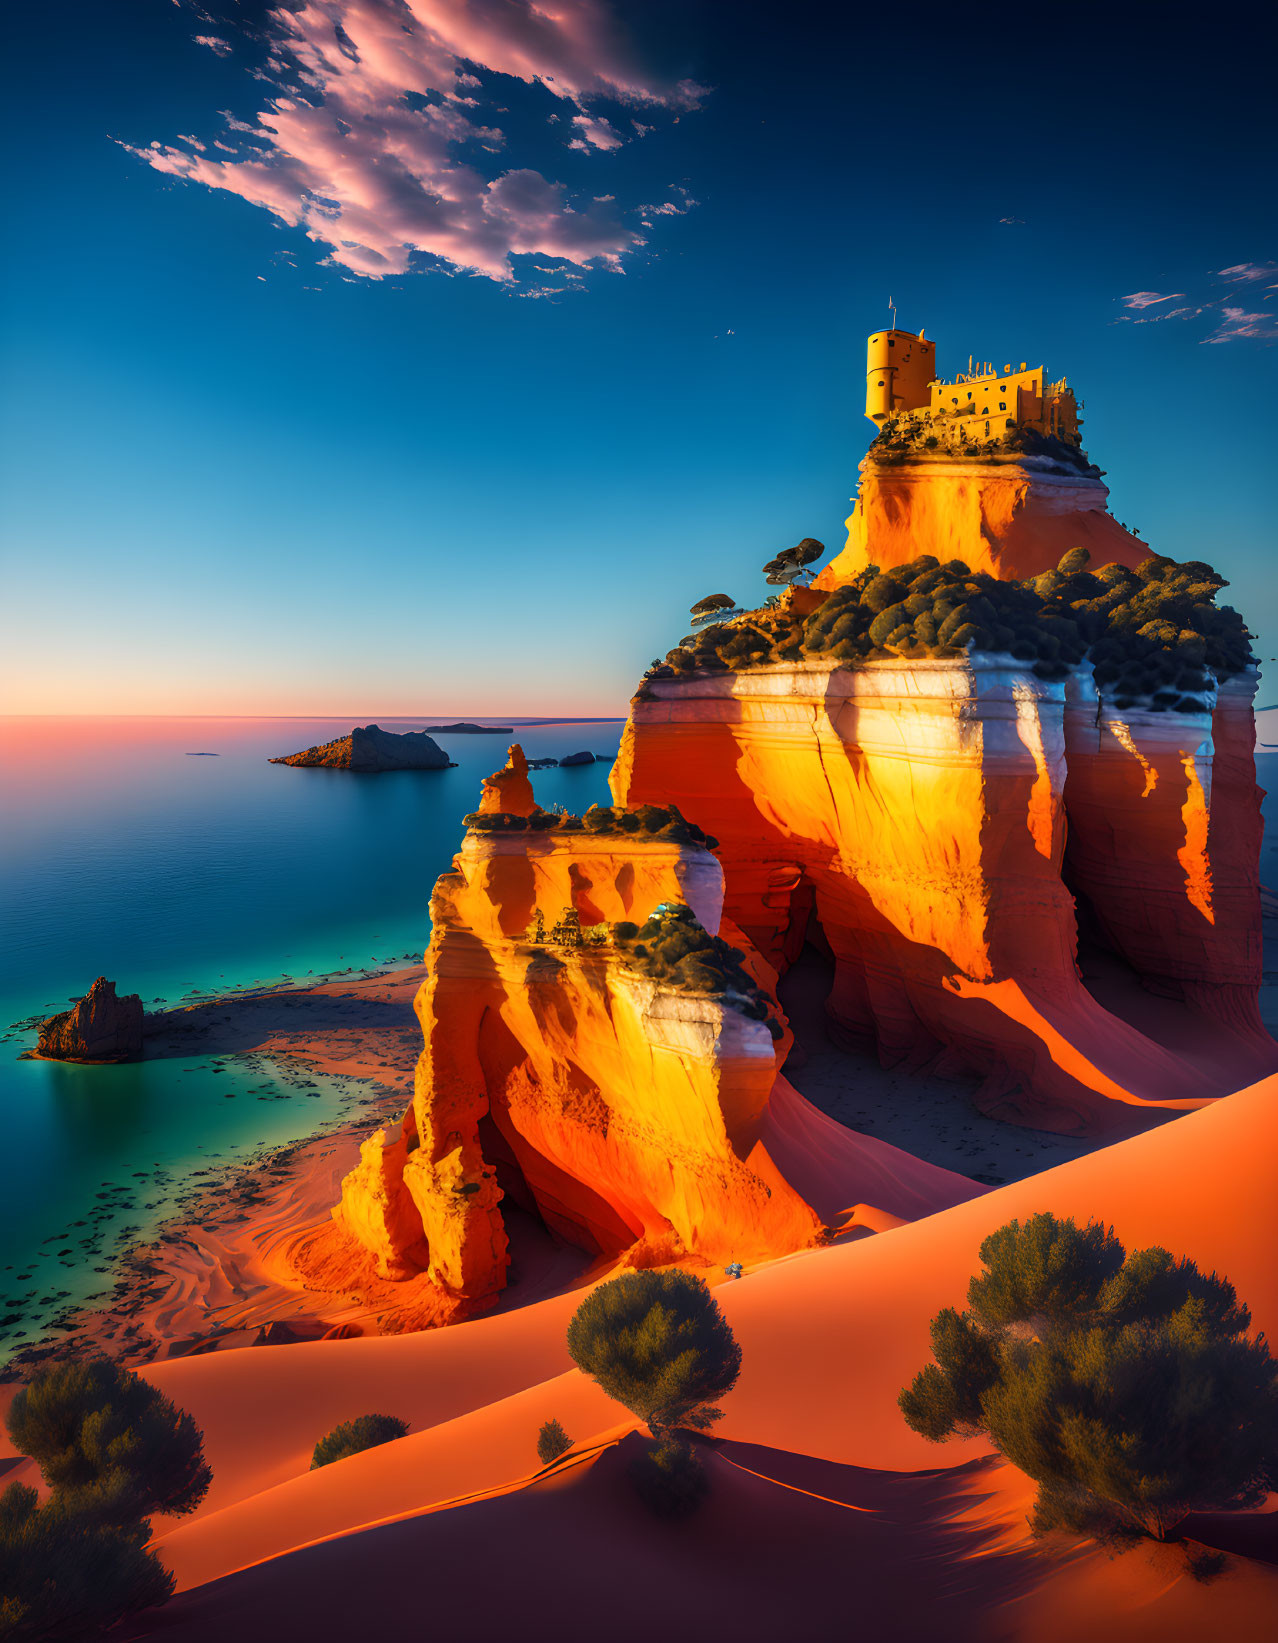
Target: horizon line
point(399, 718)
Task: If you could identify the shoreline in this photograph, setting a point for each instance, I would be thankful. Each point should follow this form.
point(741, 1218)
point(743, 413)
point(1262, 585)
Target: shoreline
point(211, 1273)
point(219, 1273)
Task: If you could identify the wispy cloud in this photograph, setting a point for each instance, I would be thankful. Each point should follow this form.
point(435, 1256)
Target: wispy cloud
point(381, 137)
point(1237, 322)
point(215, 43)
point(1147, 299)
point(1231, 321)
point(1247, 272)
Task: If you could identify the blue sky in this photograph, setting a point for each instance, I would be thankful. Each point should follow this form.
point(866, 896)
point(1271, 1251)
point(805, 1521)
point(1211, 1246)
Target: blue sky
point(241, 476)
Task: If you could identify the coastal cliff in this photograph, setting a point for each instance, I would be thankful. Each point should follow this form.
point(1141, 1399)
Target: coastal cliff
point(914, 813)
point(621, 1106)
point(1010, 516)
point(1164, 844)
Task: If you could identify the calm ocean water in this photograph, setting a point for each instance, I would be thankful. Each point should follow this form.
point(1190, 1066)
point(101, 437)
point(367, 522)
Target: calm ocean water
point(123, 854)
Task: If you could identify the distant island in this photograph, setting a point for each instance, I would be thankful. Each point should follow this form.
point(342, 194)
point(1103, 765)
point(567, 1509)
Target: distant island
point(465, 729)
point(369, 748)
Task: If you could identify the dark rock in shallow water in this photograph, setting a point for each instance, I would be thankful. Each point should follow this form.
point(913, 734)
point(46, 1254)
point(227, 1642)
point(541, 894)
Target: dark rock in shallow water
point(578, 758)
point(370, 748)
point(101, 1027)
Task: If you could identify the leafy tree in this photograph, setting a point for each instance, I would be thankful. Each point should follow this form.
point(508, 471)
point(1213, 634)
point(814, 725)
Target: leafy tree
point(792, 565)
point(552, 1441)
point(64, 1575)
point(353, 1437)
point(715, 607)
point(110, 1444)
point(1125, 1386)
point(657, 1343)
point(669, 1478)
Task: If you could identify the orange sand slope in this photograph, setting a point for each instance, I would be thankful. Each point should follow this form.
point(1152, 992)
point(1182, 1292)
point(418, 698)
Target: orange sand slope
point(801, 1543)
point(814, 1552)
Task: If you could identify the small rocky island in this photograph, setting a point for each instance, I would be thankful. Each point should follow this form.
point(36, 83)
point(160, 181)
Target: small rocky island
point(369, 748)
point(465, 728)
point(99, 1027)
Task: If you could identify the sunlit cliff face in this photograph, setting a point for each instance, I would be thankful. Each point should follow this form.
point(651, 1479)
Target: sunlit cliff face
point(622, 1111)
point(918, 812)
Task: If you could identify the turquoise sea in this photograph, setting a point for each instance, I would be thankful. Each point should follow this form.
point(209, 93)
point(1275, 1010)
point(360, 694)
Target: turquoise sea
point(171, 856)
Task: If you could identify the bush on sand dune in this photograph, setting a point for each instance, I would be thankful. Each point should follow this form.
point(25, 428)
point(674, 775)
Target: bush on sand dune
point(353, 1437)
point(1126, 1386)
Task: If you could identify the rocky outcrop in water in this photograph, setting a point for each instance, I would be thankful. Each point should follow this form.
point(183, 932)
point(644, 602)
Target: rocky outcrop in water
point(369, 748)
point(100, 1027)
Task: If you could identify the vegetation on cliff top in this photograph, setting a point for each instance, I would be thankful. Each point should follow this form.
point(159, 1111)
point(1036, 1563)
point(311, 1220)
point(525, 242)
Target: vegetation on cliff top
point(1154, 635)
point(653, 821)
point(1124, 1385)
point(673, 948)
point(915, 439)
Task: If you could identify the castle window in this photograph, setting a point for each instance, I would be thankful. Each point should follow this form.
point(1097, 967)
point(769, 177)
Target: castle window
point(891, 342)
point(1001, 405)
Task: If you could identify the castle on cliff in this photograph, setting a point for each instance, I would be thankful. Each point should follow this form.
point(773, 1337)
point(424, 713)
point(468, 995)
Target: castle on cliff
point(982, 404)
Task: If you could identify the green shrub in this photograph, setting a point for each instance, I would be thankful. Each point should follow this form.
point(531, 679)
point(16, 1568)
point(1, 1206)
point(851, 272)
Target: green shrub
point(353, 1437)
point(109, 1443)
point(669, 1478)
point(657, 1343)
point(1124, 1385)
point(552, 1441)
point(1155, 636)
point(672, 948)
point(665, 822)
point(64, 1575)
point(906, 439)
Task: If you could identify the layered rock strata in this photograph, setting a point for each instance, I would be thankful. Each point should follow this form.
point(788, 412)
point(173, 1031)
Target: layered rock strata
point(626, 1115)
point(100, 1027)
point(1164, 844)
point(1010, 516)
point(916, 810)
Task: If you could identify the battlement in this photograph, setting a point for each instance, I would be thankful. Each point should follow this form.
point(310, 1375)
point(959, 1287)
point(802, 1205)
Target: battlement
point(978, 405)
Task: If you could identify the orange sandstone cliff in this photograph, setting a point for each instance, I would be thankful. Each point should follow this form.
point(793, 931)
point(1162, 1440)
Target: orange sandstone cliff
point(916, 811)
point(1012, 516)
point(624, 1113)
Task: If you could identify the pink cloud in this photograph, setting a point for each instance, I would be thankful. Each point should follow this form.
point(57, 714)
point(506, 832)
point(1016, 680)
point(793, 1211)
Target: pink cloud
point(375, 142)
point(1147, 299)
point(1245, 272)
point(1232, 323)
point(214, 43)
point(1236, 322)
point(594, 133)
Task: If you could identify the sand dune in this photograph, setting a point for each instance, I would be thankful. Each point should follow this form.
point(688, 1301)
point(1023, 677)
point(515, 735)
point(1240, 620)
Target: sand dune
point(828, 1338)
point(782, 1549)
